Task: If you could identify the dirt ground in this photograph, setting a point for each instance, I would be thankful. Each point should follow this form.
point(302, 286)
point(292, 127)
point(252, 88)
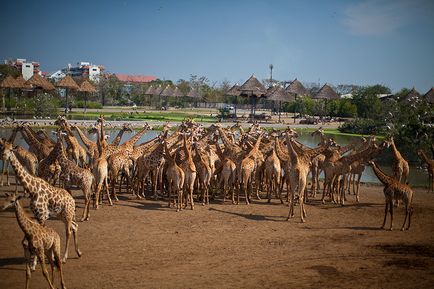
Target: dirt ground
point(145, 244)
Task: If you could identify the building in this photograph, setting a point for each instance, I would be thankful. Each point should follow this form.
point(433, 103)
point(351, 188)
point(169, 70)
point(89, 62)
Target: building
point(26, 68)
point(82, 69)
point(134, 78)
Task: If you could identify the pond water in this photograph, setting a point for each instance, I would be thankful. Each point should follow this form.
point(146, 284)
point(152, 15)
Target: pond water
point(417, 176)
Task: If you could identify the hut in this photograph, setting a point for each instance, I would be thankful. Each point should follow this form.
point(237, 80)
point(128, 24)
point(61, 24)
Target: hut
point(8, 83)
point(86, 87)
point(296, 88)
point(429, 96)
point(67, 83)
point(37, 82)
point(252, 89)
point(279, 94)
point(194, 95)
point(411, 95)
point(234, 92)
point(326, 92)
point(166, 93)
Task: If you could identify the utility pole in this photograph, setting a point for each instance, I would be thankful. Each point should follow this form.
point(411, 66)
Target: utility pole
point(271, 74)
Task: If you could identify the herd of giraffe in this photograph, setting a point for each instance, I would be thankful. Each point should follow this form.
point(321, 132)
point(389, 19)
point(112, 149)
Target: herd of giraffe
point(191, 164)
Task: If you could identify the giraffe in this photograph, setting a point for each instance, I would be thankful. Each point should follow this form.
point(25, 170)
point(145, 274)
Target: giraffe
point(35, 146)
point(204, 172)
point(189, 168)
point(227, 170)
point(300, 164)
point(394, 189)
point(126, 127)
point(92, 149)
point(43, 137)
point(100, 172)
point(246, 169)
point(430, 164)
point(71, 173)
point(400, 165)
point(27, 158)
point(39, 241)
point(75, 150)
point(273, 174)
point(45, 199)
point(175, 177)
point(49, 168)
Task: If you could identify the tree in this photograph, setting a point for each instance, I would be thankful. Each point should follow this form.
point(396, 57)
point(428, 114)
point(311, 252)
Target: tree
point(367, 102)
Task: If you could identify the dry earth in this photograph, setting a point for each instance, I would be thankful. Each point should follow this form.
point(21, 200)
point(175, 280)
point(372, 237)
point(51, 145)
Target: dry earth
point(144, 244)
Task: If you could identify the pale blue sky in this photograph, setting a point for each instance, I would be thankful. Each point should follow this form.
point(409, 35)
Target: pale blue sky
point(339, 42)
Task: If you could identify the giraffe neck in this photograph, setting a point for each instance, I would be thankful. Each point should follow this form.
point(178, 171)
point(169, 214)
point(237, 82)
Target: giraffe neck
point(118, 137)
point(425, 157)
point(23, 220)
point(132, 141)
point(292, 153)
point(281, 154)
point(27, 180)
point(13, 135)
point(30, 139)
point(395, 151)
point(87, 142)
point(385, 179)
point(347, 148)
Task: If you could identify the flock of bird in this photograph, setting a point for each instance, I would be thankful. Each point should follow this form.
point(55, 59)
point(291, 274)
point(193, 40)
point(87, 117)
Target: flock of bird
point(184, 165)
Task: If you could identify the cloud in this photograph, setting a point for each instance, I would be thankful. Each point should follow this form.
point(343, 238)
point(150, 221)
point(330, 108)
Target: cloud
point(381, 17)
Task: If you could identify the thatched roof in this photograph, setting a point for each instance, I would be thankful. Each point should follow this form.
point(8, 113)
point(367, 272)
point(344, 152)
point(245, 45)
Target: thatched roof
point(67, 82)
point(21, 82)
point(9, 82)
point(429, 96)
point(412, 94)
point(157, 90)
point(277, 93)
point(252, 87)
point(37, 81)
point(150, 90)
point(86, 86)
point(326, 92)
point(167, 91)
point(295, 87)
point(193, 93)
point(234, 90)
point(177, 92)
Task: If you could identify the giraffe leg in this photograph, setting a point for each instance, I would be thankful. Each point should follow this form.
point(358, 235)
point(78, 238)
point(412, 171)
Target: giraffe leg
point(406, 216)
point(359, 176)
point(385, 214)
point(107, 192)
point(28, 274)
point(41, 258)
point(391, 216)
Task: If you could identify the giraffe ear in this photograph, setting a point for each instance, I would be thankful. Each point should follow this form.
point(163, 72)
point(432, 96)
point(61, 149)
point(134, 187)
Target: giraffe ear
point(18, 197)
point(7, 194)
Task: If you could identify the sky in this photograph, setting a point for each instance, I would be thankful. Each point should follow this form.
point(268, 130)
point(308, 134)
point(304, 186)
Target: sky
point(389, 42)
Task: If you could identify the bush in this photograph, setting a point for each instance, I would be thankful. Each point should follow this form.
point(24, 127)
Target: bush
point(363, 126)
point(90, 104)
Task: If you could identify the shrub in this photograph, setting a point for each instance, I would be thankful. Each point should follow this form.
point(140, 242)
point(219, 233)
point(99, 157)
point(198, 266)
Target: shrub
point(89, 104)
point(363, 126)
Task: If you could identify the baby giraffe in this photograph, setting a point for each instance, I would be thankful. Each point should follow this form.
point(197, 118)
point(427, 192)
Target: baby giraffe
point(42, 241)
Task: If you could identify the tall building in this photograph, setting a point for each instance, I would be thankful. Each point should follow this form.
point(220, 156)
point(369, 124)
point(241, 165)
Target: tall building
point(26, 68)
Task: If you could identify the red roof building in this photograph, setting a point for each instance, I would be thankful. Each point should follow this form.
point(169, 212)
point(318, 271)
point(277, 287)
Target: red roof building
point(135, 78)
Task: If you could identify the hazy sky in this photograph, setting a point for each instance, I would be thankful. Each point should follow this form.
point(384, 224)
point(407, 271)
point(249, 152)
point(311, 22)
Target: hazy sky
point(338, 42)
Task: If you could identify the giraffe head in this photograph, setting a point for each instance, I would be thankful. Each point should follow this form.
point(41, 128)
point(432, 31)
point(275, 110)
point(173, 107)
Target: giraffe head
point(289, 131)
point(10, 201)
point(319, 132)
point(126, 127)
point(6, 149)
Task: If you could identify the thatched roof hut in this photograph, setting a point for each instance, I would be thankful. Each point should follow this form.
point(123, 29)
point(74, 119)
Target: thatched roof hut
point(9, 82)
point(21, 82)
point(429, 96)
point(234, 90)
point(326, 92)
point(86, 86)
point(150, 90)
point(412, 94)
point(177, 92)
point(252, 87)
point(296, 88)
point(277, 93)
point(37, 81)
point(157, 90)
point(67, 82)
point(167, 91)
point(194, 93)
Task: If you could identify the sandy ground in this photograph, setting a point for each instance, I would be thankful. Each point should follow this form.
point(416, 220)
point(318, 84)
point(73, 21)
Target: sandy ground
point(145, 244)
